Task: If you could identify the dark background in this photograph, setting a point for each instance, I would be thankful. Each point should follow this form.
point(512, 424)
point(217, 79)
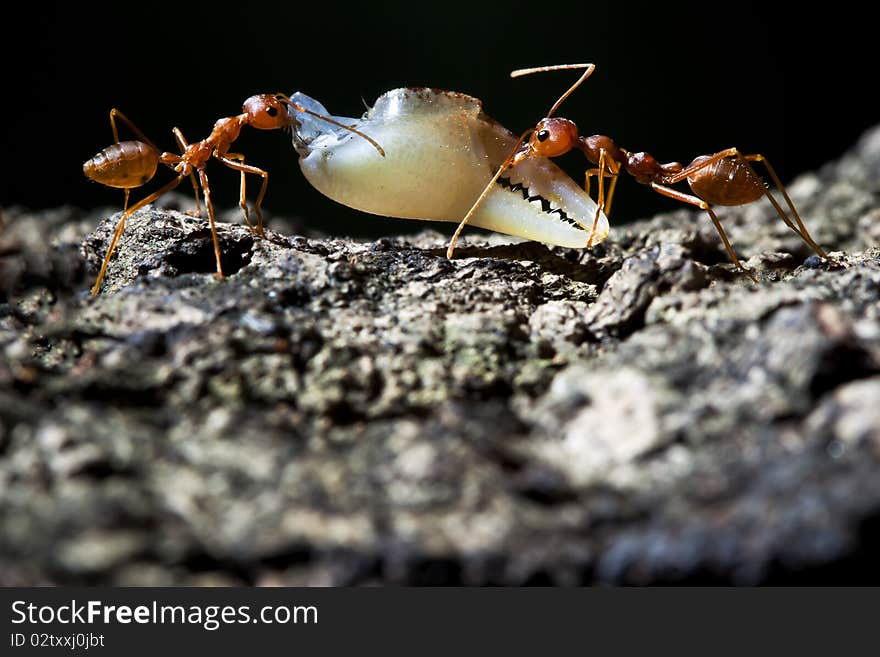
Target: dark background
point(677, 80)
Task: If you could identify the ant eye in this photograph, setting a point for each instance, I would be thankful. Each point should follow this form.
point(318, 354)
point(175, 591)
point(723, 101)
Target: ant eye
point(543, 135)
point(272, 111)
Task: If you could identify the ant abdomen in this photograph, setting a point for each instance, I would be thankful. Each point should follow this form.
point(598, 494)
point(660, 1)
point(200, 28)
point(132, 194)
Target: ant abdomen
point(729, 181)
point(125, 165)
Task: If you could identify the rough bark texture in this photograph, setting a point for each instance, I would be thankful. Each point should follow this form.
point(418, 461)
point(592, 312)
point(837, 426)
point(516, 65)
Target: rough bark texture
point(345, 412)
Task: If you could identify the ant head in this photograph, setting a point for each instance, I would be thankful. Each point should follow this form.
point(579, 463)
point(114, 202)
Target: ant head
point(267, 111)
point(550, 138)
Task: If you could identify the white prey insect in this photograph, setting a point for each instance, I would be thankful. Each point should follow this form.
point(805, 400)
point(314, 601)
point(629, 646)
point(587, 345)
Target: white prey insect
point(441, 151)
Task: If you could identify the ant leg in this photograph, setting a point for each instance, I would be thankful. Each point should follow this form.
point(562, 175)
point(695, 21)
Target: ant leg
point(689, 170)
point(230, 160)
point(242, 197)
point(700, 203)
point(113, 114)
point(116, 114)
point(602, 204)
point(121, 225)
point(488, 188)
point(181, 142)
point(210, 205)
point(611, 185)
point(600, 198)
point(615, 167)
point(801, 229)
point(587, 175)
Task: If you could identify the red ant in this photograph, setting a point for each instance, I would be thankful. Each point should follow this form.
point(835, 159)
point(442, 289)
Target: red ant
point(724, 178)
point(130, 164)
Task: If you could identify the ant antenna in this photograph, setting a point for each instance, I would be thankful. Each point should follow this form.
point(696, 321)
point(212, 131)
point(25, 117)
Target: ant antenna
point(515, 74)
point(505, 165)
point(300, 108)
point(518, 73)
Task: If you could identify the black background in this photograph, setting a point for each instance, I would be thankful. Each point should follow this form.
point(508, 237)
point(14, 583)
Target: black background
point(792, 81)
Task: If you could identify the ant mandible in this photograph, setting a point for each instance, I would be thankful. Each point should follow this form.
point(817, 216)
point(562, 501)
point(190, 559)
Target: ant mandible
point(130, 164)
point(724, 178)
